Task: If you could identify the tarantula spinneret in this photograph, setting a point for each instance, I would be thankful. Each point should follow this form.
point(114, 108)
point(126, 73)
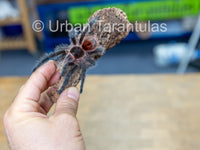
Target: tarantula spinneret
point(79, 55)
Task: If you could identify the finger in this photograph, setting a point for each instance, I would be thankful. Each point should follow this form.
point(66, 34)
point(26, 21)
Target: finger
point(54, 79)
point(45, 101)
point(38, 82)
point(67, 103)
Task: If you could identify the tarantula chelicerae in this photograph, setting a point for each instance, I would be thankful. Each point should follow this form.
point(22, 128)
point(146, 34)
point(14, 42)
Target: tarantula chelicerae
point(81, 54)
point(86, 47)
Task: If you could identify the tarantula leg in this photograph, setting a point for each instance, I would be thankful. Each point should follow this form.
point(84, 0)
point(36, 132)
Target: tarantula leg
point(98, 51)
point(72, 35)
point(83, 74)
point(92, 62)
point(67, 79)
point(64, 69)
point(87, 28)
point(67, 60)
point(61, 47)
point(45, 58)
point(60, 57)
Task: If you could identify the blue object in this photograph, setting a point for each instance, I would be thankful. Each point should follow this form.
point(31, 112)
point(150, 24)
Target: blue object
point(12, 30)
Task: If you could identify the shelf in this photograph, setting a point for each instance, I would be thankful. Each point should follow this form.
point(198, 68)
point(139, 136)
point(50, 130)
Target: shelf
point(13, 43)
point(10, 21)
point(19, 43)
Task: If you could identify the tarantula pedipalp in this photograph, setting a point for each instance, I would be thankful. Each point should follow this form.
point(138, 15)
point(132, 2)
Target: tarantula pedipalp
point(81, 54)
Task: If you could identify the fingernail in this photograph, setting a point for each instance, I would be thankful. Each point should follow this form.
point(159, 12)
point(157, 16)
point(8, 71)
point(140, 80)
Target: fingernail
point(73, 93)
point(49, 62)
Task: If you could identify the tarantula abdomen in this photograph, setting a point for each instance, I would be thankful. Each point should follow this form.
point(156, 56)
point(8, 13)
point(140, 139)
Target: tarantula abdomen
point(89, 44)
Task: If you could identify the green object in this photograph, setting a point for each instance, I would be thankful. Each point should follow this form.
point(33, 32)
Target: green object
point(141, 11)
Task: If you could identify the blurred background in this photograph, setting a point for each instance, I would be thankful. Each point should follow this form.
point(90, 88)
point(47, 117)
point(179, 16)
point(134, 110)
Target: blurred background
point(117, 110)
point(146, 52)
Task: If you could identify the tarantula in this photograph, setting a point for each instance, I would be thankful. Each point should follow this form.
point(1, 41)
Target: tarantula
point(81, 54)
point(86, 47)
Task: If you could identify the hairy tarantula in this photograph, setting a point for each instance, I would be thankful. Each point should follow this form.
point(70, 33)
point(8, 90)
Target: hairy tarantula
point(86, 47)
point(81, 54)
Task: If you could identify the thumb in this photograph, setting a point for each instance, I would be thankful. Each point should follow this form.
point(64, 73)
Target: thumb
point(67, 103)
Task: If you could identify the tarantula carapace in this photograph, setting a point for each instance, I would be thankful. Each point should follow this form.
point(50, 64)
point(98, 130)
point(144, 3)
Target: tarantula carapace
point(81, 54)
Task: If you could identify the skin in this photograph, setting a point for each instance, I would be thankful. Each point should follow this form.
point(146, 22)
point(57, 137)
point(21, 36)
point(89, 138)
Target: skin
point(27, 126)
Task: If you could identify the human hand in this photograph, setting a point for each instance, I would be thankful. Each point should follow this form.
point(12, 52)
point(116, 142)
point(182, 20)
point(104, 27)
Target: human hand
point(27, 126)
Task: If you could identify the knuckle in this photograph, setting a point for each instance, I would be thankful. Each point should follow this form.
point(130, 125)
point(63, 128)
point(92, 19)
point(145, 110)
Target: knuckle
point(68, 119)
point(72, 121)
